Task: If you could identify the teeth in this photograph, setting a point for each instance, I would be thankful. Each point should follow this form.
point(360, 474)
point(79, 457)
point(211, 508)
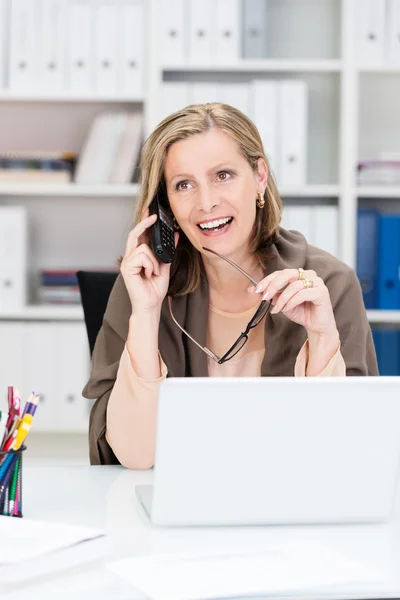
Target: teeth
point(214, 224)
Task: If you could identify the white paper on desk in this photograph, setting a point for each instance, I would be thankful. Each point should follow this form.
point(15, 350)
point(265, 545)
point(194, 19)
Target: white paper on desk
point(284, 568)
point(25, 539)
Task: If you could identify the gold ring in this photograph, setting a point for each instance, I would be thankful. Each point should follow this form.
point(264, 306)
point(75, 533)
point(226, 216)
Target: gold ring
point(308, 283)
point(300, 273)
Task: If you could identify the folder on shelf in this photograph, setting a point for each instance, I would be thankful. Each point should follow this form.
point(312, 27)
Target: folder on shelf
point(387, 347)
point(52, 44)
point(367, 255)
point(389, 262)
point(201, 92)
point(298, 218)
point(128, 150)
point(80, 56)
point(236, 94)
point(13, 257)
point(392, 49)
point(4, 28)
point(174, 96)
point(228, 31)
point(96, 159)
point(370, 31)
point(325, 228)
point(264, 112)
point(23, 58)
point(202, 32)
point(293, 126)
point(255, 37)
point(105, 16)
point(131, 80)
point(174, 32)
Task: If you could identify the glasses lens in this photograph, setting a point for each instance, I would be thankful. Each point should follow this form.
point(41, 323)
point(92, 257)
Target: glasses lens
point(260, 314)
point(237, 346)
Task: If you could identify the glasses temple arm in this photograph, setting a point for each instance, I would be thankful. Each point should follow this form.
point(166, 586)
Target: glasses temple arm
point(253, 281)
point(204, 348)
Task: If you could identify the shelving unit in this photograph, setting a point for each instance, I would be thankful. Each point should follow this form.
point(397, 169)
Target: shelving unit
point(86, 226)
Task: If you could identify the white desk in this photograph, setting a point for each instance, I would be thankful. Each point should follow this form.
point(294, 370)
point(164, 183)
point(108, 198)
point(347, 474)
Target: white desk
point(104, 497)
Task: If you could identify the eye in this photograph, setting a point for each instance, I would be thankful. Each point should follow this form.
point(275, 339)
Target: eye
point(179, 185)
point(223, 175)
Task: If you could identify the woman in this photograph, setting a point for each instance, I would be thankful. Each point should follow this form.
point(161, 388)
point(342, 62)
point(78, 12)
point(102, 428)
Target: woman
point(304, 316)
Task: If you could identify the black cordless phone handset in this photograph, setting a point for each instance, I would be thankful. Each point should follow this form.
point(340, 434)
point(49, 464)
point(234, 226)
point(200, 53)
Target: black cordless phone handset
point(162, 232)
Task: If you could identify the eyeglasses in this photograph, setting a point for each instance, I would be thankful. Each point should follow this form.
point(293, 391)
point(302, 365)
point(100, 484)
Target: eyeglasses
point(255, 320)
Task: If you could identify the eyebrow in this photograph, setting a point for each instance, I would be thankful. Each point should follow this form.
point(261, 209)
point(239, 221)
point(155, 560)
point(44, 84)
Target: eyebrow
point(188, 175)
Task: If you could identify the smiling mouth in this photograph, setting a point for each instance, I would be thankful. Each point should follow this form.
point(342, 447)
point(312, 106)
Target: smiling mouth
point(216, 225)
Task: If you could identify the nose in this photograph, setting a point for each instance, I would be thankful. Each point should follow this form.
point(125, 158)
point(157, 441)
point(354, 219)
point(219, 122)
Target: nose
point(207, 201)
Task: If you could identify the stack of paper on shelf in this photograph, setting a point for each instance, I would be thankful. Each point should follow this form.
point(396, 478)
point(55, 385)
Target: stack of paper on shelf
point(111, 149)
point(32, 548)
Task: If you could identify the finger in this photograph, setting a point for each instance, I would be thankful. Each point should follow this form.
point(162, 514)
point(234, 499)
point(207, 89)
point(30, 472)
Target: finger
point(280, 299)
point(314, 295)
point(136, 265)
point(283, 279)
point(145, 249)
point(133, 237)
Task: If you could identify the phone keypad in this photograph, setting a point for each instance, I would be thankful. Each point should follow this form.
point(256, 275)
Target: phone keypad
point(167, 236)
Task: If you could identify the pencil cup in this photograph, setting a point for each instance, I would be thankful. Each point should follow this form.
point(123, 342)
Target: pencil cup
point(11, 482)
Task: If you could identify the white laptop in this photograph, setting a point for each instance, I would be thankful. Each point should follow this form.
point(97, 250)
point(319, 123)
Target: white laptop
point(247, 451)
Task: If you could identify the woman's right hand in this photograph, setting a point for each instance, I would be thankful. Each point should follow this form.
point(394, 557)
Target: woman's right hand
point(145, 277)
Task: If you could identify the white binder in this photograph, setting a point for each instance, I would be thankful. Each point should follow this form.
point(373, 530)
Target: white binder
point(370, 31)
point(264, 94)
point(174, 32)
point(202, 32)
point(105, 47)
point(298, 218)
point(80, 49)
point(40, 372)
point(237, 95)
point(293, 132)
point(325, 228)
point(23, 46)
point(174, 96)
point(4, 28)
point(52, 45)
point(131, 79)
point(12, 344)
point(228, 31)
point(393, 32)
point(73, 362)
point(255, 15)
point(202, 92)
point(13, 257)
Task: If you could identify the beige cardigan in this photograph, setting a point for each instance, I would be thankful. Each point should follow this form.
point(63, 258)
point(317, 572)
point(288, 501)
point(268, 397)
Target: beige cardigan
point(284, 338)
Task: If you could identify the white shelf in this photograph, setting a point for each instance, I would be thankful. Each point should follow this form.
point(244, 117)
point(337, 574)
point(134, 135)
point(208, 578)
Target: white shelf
point(9, 96)
point(43, 313)
point(68, 189)
point(379, 69)
point(383, 316)
point(378, 191)
point(310, 191)
point(262, 65)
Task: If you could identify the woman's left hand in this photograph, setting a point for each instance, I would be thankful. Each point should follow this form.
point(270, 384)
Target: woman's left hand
point(308, 306)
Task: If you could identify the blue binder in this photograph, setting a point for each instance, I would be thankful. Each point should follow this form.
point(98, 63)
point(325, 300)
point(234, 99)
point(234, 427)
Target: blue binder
point(387, 346)
point(389, 262)
point(367, 255)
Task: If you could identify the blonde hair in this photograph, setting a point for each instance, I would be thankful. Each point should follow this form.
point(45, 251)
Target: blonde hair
point(187, 265)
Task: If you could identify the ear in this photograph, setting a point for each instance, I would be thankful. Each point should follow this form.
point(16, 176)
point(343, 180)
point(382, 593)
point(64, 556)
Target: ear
point(262, 174)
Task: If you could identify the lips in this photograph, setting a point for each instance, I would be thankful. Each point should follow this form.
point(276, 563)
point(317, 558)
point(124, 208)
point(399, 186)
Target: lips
point(220, 227)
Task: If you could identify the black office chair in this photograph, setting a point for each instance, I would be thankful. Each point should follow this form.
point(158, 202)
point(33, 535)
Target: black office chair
point(95, 288)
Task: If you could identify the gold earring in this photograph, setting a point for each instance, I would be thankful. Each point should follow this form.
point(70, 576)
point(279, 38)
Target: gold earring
point(176, 226)
point(260, 200)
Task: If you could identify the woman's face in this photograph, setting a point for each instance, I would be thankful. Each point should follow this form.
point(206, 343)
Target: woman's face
point(212, 191)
